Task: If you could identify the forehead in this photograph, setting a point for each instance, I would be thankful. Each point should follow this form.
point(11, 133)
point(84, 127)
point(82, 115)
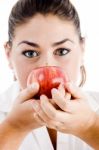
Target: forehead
point(48, 27)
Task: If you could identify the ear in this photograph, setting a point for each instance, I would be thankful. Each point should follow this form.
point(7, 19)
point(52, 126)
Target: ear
point(82, 42)
point(7, 48)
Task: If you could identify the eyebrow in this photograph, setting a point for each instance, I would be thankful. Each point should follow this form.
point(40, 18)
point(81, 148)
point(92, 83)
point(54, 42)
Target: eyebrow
point(61, 42)
point(29, 43)
point(37, 46)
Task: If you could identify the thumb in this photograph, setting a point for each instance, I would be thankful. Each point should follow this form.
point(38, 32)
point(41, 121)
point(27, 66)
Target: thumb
point(29, 92)
point(75, 91)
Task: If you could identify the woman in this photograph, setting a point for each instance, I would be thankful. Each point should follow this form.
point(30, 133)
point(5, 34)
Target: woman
point(46, 33)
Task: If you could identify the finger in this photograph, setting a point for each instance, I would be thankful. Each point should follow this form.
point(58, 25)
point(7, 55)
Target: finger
point(63, 92)
point(56, 125)
point(37, 108)
point(51, 112)
point(61, 89)
point(39, 119)
point(59, 117)
point(75, 91)
point(59, 99)
point(35, 105)
point(47, 107)
point(67, 96)
point(45, 117)
point(28, 93)
point(73, 106)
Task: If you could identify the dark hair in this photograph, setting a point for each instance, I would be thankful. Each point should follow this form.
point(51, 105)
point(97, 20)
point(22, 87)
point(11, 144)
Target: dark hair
point(24, 10)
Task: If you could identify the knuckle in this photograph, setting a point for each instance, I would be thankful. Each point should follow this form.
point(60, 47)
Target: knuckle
point(63, 106)
point(18, 98)
point(29, 91)
point(58, 125)
point(68, 96)
point(53, 115)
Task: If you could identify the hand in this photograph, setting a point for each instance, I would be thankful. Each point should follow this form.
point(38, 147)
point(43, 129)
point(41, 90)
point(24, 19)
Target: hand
point(22, 116)
point(75, 116)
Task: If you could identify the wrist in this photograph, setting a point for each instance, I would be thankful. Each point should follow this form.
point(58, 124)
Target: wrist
point(8, 134)
point(10, 128)
point(91, 133)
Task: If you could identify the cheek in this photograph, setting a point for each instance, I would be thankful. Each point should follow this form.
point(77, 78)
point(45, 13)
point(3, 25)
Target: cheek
point(21, 75)
point(22, 70)
point(72, 68)
point(74, 73)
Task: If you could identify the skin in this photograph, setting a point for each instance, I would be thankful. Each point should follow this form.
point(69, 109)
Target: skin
point(45, 32)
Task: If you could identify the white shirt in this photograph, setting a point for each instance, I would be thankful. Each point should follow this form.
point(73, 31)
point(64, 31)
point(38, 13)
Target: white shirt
point(39, 139)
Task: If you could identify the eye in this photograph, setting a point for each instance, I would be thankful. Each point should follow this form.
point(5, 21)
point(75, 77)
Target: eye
point(30, 53)
point(62, 51)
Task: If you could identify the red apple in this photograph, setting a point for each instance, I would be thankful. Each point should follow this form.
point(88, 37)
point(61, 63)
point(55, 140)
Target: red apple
point(48, 78)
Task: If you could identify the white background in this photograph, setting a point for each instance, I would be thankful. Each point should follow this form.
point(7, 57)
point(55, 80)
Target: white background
point(89, 15)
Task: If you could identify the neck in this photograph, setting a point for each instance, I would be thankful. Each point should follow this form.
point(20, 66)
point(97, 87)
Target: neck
point(53, 137)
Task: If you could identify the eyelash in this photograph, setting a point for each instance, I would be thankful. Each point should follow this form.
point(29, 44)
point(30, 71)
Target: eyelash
point(30, 52)
point(56, 52)
point(61, 50)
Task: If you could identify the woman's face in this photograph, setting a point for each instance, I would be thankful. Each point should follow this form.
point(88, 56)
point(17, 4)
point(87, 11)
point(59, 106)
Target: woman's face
point(45, 41)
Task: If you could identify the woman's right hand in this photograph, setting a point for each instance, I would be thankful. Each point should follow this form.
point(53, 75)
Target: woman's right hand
point(22, 116)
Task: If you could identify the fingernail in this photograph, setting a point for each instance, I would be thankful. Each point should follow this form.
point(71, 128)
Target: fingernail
point(35, 106)
point(70, 84)
point(35, 85)
point(54, 91)
point(42, 97)
point(60, 86)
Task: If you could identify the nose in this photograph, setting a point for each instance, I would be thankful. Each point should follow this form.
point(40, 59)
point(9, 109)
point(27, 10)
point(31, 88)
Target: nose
point(48, 60)
point(47, 64)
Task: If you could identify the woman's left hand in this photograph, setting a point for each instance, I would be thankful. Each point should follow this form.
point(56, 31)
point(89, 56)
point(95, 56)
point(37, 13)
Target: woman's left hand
point(75, 116)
